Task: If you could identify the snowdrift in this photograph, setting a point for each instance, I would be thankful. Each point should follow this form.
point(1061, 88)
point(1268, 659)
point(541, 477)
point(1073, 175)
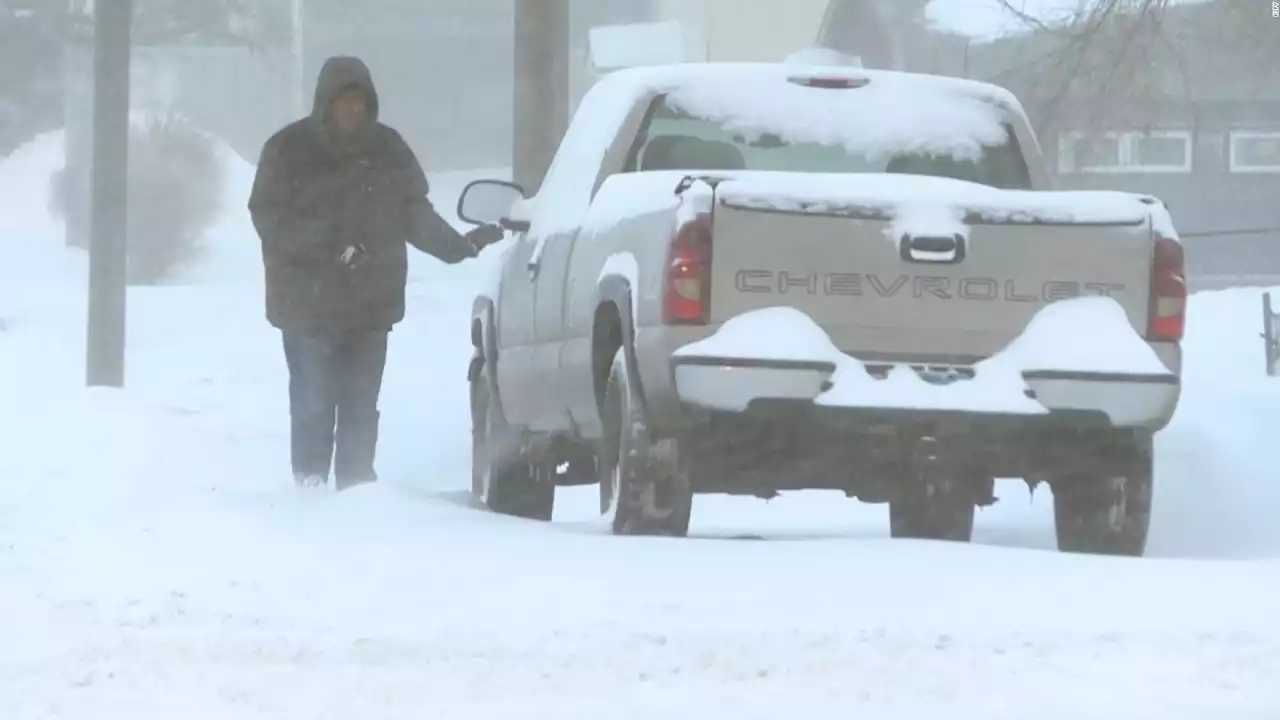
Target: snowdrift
point(1217, 473)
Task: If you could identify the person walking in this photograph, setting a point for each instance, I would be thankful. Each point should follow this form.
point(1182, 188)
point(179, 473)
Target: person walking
point(337, 198)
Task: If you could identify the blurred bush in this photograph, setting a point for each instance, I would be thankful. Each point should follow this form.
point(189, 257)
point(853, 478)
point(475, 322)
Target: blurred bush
point(175, 195)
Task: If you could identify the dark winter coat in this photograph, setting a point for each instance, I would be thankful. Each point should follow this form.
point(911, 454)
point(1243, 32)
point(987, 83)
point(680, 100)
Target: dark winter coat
point(316, 193)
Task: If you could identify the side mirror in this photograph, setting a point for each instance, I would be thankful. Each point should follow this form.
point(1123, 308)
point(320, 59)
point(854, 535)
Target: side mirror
point(488, 202)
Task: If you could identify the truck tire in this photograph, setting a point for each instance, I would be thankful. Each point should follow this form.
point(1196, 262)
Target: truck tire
point(931, 500)
point(1108, 514)
point(502, 477)
point(640, 494)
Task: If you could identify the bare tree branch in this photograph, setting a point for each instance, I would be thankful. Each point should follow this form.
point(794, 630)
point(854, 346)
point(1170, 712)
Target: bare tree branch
point(1120, 60)
point(1023, 16)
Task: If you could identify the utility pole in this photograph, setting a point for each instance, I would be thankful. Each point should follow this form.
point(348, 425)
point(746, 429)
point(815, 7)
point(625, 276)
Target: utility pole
point(541, 100)
point(109, 210)
point(297, 13)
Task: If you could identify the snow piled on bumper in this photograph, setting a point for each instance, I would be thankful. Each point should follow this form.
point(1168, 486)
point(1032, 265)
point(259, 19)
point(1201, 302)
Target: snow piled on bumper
point(1083, 337)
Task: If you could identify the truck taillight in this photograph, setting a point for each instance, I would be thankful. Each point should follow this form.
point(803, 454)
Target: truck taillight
point(686, 295)
point(1168, 291)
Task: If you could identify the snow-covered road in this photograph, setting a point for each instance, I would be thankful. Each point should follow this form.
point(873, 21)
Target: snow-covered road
point(155, 561)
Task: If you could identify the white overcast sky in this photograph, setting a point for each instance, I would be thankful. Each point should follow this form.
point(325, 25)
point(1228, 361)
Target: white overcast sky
point(987, 19)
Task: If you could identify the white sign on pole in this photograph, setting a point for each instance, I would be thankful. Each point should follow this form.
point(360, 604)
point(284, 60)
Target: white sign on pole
point(614, 47)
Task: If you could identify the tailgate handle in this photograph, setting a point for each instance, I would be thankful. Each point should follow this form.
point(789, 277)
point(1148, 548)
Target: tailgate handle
point(942, 249)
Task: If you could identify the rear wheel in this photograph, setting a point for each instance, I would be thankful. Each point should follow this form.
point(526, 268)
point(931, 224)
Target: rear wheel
point(502, 476)
point(641, 492)
point(931, 500)
point(1108, 513)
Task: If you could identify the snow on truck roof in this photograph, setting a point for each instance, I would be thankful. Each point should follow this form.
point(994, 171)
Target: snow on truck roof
point(667, 78)
point(911, 111)
point(868, 111)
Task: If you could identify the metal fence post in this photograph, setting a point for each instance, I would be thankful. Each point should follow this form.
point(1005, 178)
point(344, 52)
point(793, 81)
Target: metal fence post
point(1270, 341)
point(109, 218)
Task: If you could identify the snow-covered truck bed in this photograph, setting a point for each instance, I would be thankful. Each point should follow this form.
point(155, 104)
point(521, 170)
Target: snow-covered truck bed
point(974, 324)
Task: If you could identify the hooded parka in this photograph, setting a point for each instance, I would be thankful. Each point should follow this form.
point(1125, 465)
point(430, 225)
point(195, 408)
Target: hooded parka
point(318, 192)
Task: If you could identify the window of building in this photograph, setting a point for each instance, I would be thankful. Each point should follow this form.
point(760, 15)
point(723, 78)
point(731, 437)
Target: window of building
point(1160, 150)
point(1125, 152)
point(1255, 152)
point(1088, 153)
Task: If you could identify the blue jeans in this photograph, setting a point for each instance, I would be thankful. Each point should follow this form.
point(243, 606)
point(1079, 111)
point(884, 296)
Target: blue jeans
point(334, 383)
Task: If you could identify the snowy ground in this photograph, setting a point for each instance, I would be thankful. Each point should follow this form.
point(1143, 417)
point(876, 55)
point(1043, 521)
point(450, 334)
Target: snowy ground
point(155, 561)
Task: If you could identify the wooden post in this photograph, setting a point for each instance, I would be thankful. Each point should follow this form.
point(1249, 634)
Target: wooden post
point(541, 101)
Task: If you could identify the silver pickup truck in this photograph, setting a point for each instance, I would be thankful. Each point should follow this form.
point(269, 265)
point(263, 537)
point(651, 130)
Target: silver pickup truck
point(906, 215)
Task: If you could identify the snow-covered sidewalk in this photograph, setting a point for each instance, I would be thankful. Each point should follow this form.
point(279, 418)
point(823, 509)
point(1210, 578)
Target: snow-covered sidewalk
point(155, 561)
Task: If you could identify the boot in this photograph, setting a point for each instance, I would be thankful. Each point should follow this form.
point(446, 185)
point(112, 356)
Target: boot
point(357, 441)
point(309, 481)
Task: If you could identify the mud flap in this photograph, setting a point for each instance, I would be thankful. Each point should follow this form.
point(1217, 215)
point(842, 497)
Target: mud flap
point(668, 490)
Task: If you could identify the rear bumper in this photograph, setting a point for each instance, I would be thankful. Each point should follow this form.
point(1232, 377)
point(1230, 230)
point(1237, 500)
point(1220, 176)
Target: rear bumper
point(1127, 401)
point(734, 385)
point(754, 428)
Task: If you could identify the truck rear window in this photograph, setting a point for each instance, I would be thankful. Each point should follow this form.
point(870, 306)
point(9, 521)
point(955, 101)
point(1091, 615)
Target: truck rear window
point(674, 139)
